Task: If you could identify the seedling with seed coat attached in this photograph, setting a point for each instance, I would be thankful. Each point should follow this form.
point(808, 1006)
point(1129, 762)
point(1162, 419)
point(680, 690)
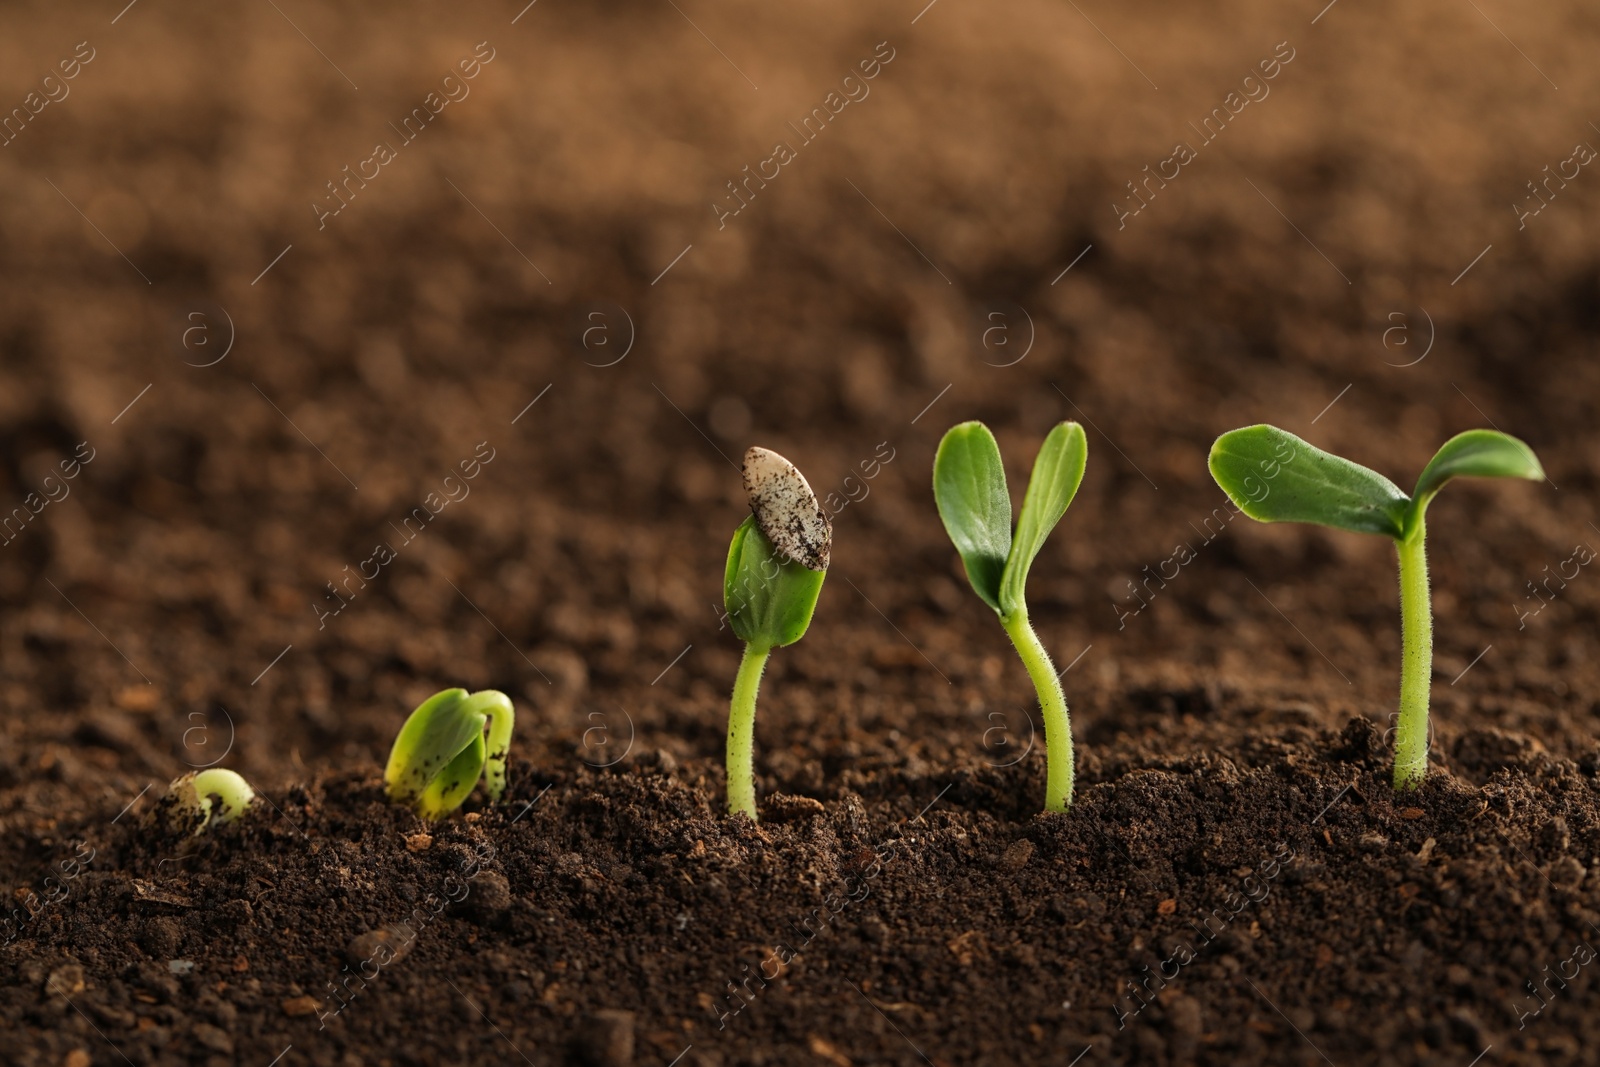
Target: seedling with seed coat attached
point(776, 564)
point(441, 750)
point(1310, 485)
point(969, 486)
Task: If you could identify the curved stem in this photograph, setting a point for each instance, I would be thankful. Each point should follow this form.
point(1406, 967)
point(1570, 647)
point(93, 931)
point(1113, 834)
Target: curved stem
point(742, 732)
point(1053, 703)
point(1416, 672)
point(502, 719)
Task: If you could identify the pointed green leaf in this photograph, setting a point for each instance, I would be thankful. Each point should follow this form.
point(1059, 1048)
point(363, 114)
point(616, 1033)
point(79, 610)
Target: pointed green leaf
point(1057, 472)
point(769, 597)
point(969, 486)
point(1475, 453)
point(1273, 476)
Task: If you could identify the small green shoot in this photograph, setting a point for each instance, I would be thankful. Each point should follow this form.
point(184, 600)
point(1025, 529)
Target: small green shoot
point(969, 486)
point(191, 798)
point(776, 564)
point(1310, 485)
point(441, 750)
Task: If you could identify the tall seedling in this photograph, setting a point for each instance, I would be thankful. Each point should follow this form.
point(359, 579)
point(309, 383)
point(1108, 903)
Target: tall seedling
point(969, 486)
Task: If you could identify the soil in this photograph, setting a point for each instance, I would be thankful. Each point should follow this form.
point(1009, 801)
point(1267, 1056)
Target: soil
point(475, 421)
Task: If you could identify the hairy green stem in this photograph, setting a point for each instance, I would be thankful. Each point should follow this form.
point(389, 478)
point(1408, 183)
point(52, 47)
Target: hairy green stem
point(742, 731)
point(1053, 703)
point(1416, 671)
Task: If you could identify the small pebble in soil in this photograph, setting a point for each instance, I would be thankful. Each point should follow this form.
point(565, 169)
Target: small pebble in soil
point(161, 937)
point(1017, 856)
point(1567, 873)
point(180, 966)
point(783, 807)
point(1183, 1013)
point(418, 842)
point(488, 895)
point(397, 938)
point(213, 1037)
point(65, 980)
point(294, 1007)
point(605, 1038)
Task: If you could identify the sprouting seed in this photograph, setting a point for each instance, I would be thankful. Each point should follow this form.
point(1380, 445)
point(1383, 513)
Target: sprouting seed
point(191, 797)
point(776, 563)
point(441, 750)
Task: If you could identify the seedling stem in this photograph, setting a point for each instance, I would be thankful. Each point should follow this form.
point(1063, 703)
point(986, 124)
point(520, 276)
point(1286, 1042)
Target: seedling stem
point(1053, 704)
point(1416, 670)
point(741, 731)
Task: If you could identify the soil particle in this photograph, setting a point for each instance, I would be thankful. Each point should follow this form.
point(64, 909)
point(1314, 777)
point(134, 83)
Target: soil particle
point(489, 896)
point(65, 981)
point(385, 945)
point(785, 807)
point(1017, 855)
point(605, 1038)
point(296, 1007)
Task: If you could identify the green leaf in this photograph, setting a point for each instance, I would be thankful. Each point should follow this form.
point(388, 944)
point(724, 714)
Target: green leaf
point(1057, 472)
point(441, 752)
point(453, 784)
point(1475, 453)
point(1273, 476)
point(769, 597)
point(969, 486)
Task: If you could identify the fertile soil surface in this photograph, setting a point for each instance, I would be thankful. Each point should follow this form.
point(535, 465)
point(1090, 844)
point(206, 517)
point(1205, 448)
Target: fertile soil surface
point(302, 431)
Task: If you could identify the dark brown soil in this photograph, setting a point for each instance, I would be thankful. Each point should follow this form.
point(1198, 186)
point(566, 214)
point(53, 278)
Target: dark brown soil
point(1236, 884)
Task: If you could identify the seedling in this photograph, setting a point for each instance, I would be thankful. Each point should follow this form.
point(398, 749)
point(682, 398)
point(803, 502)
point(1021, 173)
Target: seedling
point(441, 750)
point(1310, 485)
point(969, 485)
point(191, 798)
point(776, 564)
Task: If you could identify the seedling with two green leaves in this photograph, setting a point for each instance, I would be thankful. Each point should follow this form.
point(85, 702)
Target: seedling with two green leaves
point(969, 486)
point(776, 563)
point(1318, 487)
point(442, 750)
